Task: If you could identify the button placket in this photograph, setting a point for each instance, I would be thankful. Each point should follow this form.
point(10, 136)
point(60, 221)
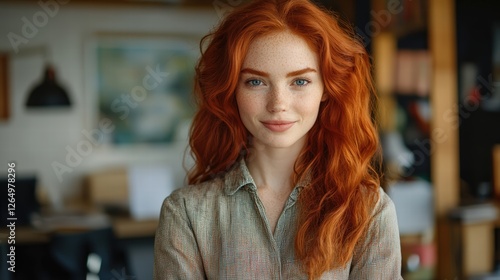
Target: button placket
point(262, 213)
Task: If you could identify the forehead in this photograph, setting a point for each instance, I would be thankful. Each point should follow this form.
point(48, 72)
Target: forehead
point(280, 50)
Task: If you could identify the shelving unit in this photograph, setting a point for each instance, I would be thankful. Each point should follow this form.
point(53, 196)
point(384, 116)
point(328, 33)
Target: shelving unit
point(445, 161)
point(442, 96)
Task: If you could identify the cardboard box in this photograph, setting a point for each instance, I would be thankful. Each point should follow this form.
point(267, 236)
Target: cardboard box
point(108, 188)
point(477, 244)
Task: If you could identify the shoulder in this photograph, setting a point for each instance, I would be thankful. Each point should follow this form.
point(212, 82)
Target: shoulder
point(383, 225)
point(384, 212)
point(201, 207)
point(383, 220)
point(384, 204)
point(378, 253)
point(198, 193)
point(195, 202)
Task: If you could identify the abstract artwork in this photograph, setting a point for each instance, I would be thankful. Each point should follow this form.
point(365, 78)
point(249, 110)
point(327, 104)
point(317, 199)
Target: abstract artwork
point(144, 86)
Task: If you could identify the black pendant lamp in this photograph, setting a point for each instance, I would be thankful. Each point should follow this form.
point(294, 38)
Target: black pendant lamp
point(48, 93)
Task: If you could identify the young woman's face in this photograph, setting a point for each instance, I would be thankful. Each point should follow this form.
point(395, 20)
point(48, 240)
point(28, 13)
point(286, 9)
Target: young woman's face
point(279, 90)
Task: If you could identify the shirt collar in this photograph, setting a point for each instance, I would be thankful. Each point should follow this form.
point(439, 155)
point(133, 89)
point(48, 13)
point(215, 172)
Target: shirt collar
point(239, 177)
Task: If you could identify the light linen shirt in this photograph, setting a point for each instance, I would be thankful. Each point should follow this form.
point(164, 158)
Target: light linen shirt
point(218, 230)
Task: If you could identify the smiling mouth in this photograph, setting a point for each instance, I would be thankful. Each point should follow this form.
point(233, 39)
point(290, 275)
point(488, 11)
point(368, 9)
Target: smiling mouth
point(278, 126)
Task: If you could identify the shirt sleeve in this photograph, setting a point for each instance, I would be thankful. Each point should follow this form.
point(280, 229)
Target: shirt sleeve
point(378, 256)
point(176, 254)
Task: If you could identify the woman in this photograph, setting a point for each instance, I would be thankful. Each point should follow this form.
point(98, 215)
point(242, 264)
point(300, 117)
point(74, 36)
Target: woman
point(284, 184)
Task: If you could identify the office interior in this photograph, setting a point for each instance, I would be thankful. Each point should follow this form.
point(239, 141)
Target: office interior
point(94, 160)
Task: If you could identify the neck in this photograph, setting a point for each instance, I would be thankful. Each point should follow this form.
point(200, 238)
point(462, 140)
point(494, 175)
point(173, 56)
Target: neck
point(272, 167)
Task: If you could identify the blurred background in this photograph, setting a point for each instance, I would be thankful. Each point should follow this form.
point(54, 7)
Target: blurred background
point(95, 108)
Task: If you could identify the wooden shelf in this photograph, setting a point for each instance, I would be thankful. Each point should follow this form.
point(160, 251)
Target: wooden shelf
point(440, 27)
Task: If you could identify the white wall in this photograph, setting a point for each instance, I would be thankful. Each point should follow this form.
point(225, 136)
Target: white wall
point(36, 139)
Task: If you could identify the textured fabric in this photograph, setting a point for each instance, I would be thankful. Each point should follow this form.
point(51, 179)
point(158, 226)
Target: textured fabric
point(218, 230)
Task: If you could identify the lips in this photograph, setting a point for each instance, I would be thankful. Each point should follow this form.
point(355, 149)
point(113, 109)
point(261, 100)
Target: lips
point(278, 126)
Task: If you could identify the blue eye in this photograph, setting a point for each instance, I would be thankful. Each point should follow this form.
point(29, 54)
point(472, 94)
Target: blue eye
point(254, 83)
point(301, 82)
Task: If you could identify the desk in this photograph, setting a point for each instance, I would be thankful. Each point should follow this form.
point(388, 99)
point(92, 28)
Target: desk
point(126, 227)
point(34, 257)
point(123, 227)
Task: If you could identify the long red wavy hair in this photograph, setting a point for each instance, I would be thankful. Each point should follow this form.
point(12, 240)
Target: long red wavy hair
point(342, 146)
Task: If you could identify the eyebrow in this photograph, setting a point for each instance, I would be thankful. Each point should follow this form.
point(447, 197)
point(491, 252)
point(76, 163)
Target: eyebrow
point(264, 74)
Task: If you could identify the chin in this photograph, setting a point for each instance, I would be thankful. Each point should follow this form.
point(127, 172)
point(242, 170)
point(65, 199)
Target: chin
point(282, 143)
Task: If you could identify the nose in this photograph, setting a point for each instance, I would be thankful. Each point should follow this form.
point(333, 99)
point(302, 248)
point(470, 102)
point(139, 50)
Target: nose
point(277, 100)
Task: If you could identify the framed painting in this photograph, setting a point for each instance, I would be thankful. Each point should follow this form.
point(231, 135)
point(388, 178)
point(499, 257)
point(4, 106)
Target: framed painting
point(143, 85)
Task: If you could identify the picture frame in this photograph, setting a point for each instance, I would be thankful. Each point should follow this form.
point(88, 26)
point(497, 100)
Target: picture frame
point(140, 86)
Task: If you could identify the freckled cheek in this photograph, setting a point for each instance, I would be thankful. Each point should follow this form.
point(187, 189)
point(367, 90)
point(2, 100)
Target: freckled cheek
point(309, 116)
point(249, 107)
point(308, 107)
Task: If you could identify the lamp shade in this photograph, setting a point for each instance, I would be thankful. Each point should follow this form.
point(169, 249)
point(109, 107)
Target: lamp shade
point(48, 93)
